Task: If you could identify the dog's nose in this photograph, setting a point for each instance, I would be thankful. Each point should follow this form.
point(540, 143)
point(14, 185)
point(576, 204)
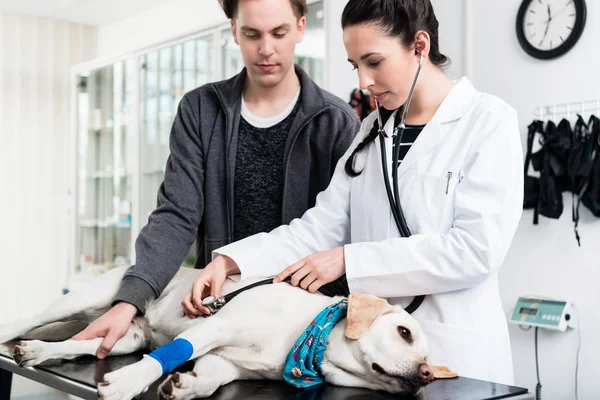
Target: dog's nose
point(425, 374)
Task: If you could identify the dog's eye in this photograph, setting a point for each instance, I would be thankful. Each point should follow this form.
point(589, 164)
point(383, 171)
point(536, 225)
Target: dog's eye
point(405, 333)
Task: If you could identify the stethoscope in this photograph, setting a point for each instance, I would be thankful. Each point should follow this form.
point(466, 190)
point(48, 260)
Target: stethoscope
point(394, 197)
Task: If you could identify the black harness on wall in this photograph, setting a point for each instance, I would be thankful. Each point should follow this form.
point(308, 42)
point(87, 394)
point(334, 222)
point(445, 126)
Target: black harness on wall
point(591, 196)
point(567, 162)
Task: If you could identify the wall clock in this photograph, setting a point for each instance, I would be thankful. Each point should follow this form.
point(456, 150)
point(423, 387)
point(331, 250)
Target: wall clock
point(549, 28)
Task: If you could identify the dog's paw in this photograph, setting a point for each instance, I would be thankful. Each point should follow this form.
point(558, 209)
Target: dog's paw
point(29, 353)
point(129, 381)
point(184, 386)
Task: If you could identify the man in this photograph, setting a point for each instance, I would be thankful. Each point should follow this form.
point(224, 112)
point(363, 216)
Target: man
point(247, 155)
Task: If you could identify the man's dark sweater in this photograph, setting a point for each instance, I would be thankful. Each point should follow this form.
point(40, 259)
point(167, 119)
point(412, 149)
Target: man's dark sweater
point(196, 198)
point(258, 187)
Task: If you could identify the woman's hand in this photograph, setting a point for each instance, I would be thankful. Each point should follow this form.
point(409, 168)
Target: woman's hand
point(208, 283)
point(316, 270)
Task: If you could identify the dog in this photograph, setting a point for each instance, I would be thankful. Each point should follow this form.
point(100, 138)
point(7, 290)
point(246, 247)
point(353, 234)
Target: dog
point(377, 346)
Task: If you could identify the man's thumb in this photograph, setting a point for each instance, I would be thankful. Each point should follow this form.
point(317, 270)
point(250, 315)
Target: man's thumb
point(107, 344)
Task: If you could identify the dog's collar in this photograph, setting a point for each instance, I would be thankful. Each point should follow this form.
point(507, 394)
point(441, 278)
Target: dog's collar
point(303, 364)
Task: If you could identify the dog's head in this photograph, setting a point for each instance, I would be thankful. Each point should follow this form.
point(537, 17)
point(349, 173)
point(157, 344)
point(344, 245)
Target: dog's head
point(390, 342)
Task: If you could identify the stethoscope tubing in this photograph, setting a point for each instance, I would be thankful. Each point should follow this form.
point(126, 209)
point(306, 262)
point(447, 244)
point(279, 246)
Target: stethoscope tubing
point(394, 197)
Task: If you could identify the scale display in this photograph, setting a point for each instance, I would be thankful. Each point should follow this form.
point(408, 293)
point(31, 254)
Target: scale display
point(551, 314)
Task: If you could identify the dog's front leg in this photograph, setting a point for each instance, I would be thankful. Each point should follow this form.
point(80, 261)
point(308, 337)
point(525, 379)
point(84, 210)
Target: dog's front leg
point(210, 372)
point(33, 352)
point(127, 382)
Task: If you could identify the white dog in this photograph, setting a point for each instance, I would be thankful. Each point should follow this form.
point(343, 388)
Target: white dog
point(377, 346)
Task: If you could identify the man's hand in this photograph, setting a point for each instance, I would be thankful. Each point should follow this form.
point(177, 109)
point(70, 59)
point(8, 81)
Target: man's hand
point(208, 283)
point(112, 326)
point(316, 270)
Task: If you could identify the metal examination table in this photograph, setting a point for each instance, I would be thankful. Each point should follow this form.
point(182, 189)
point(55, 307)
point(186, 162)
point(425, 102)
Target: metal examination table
point(79, 378)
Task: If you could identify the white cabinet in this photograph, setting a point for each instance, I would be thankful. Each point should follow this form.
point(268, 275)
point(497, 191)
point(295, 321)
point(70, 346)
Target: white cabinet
point(124, 110)
point(104, 171)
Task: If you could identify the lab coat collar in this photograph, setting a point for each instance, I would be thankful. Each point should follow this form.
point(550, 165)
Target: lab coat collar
point(457, 101)
point(454, 106)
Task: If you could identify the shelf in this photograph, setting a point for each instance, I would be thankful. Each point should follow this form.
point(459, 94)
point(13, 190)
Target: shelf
point(101, 130)
point(107, 175)
point(152, 173)
point(103, 224)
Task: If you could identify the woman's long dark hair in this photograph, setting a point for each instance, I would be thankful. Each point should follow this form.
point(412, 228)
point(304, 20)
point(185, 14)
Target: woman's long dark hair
point(397, 18)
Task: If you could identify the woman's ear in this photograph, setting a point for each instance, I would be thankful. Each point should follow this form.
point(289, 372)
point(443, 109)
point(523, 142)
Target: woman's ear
point(363, 310)
point(422, 43)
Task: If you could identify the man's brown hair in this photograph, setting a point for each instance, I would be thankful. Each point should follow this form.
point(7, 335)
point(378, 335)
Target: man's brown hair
point(230, 7)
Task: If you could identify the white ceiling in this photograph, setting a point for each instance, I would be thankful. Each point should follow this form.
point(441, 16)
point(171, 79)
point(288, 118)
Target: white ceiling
point(92, 12)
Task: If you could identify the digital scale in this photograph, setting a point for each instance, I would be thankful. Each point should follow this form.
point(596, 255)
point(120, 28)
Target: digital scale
point(550, 314)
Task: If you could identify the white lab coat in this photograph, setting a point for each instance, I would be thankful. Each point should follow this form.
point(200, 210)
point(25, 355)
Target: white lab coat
point(461, 190)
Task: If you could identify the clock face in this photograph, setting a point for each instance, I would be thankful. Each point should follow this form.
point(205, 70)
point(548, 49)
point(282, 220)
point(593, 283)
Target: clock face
point(549, 28)
point(549, 23)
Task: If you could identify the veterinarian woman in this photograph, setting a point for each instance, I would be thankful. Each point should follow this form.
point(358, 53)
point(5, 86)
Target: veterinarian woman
point(459, 187)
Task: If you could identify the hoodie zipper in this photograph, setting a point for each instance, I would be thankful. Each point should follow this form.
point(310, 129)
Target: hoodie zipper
point(286, 155)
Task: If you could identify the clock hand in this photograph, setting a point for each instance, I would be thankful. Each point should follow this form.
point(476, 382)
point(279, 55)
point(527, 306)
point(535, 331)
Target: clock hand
point(561, 11)
point(545, 33)
point(547, 25)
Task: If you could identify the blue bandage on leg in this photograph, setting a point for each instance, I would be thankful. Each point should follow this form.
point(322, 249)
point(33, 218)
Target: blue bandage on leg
point(173, 354)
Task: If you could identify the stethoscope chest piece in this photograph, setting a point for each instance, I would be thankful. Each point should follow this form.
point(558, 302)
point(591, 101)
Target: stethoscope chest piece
point(213, 304)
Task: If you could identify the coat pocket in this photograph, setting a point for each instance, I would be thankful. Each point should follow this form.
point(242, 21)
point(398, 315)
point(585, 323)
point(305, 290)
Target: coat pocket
point(434, 194)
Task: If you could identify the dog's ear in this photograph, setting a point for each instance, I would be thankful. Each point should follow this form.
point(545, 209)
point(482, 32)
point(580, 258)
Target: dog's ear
point(442, 372)
point(363, 310)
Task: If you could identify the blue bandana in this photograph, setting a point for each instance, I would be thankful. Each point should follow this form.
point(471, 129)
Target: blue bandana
point(303, 364)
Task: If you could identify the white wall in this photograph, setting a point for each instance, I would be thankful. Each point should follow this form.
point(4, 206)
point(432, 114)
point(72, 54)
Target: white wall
point(545, 259)
point(167, 21)
point(340, 78)
point(450, 16)
point(36, 54)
